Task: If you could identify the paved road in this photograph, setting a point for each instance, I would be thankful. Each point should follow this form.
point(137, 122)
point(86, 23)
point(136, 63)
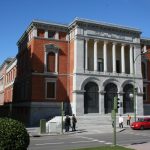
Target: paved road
point(78, 140)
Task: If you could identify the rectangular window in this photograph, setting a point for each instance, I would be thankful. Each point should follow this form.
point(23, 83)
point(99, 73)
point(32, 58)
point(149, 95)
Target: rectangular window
point(62, 35)
point(118, 66)
point(100, 65)
point(144, 93)
point(51, 34)
point(51, 89)
point(40, 33)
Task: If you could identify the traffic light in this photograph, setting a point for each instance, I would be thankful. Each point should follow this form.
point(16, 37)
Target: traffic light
point(116, 103)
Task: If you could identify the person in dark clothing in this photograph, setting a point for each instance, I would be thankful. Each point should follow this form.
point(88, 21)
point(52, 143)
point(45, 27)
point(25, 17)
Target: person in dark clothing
point(74, 121)
point(67, 123)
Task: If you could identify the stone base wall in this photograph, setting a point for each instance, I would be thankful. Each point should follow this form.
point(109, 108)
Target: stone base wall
point(146, 109)
point(31, 113)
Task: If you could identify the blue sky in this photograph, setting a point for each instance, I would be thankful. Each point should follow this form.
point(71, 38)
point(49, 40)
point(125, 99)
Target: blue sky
point(16, 15)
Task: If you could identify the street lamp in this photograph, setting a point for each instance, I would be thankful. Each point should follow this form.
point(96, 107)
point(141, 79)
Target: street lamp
point(131, 95)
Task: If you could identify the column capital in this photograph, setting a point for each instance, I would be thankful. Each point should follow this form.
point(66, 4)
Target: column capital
point(114, 43)
point(131, 45)
point(105, 42)
point(123, 44)
point(87, 39)
point(96, 40)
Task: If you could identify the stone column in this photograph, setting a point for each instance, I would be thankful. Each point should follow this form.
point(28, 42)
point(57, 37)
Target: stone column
point(144, 49)
point(114, 57)
point(34, 32)
point(57, 35)
point(45, 61)
point(105, 55)
point(131, 59)
point(46, 34)
point(122, 58)
point(101, 103)
point(86, 54)
point(95, 55)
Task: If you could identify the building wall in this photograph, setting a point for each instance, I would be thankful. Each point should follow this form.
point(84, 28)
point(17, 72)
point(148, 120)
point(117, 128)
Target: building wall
point(10, 77)
point(38, 80)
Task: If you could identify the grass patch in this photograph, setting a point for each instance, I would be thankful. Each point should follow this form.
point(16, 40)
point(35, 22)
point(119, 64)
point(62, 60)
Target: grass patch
point(106, 148)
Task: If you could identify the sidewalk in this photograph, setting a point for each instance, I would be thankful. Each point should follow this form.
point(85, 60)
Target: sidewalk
point(142, 146)
point(35, 132)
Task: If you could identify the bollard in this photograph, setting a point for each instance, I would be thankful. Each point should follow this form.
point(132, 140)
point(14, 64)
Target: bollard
point(42, 126)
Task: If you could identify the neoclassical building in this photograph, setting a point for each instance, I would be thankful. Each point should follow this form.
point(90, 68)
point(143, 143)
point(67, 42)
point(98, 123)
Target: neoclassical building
point(84, 64)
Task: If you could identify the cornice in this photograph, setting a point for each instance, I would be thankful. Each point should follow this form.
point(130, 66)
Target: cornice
point(103, 25)
point(106, 39)
point(145, 41)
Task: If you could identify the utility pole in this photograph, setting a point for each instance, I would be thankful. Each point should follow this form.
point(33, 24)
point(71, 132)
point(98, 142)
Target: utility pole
point(114, 126)
point(115, 108)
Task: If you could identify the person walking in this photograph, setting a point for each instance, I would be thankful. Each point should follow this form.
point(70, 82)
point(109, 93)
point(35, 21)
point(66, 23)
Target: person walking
point(67, 123)
point(74, 121)
point(120, 121)
point(128, 119)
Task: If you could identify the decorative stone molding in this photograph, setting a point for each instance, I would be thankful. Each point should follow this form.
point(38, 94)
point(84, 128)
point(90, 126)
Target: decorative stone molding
point(51, 48)
point(102, 92)
point(79, 91)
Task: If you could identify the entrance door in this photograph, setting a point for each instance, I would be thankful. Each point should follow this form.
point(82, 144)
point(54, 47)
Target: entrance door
point(91, 98)
point(111, 92)
point(128, 103)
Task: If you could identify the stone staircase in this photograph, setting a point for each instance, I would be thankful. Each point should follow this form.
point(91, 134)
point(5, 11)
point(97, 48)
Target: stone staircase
point(89, 123)
point(97, 123)
point(94, 122)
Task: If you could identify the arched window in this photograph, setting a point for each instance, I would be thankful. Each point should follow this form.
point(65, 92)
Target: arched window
point(51, 62)
point(51, 59)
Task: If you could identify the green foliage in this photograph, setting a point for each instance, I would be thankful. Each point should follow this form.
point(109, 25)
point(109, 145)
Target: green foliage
point(13, 135)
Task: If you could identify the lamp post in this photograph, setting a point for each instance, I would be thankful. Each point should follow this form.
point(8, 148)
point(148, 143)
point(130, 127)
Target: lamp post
point(131, 95)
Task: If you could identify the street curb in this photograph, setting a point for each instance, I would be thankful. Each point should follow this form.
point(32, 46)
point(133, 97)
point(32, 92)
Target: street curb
point(50, 134)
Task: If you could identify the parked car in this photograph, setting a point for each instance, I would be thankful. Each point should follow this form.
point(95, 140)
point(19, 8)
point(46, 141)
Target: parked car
point(141, 123)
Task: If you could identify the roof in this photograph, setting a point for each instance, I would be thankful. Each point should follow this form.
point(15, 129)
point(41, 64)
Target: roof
point(34, 22)
point(145, 41)
point(67, 26)
point(6, 61)
point(11, 62)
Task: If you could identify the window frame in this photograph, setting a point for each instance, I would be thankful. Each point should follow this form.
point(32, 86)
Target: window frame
point(100, 62)
point(50, 80)
point(54, 49)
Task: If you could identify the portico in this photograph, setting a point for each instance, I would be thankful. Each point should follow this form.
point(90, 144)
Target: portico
point(106, 51)
point(103, 67)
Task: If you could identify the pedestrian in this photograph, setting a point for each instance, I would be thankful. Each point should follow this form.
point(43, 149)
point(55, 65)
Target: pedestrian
point(120, 121)
point(128, 119)
point(74, 121)
point(67, 123)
